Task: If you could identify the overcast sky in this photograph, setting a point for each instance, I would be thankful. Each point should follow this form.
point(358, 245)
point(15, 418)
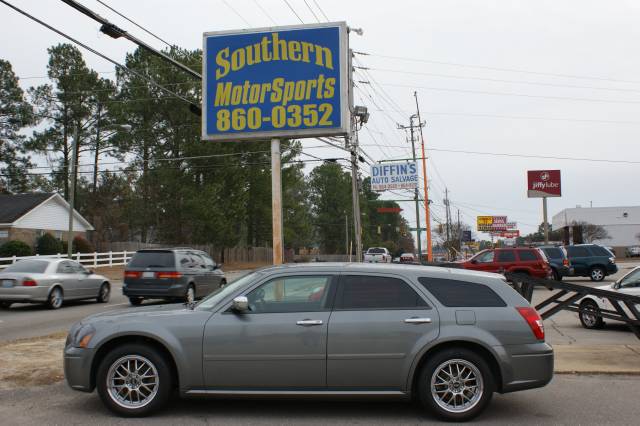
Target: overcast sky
point(572, 64)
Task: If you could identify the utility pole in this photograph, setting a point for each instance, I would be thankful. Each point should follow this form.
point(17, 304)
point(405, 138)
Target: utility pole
point(545, 224)
point(276, 202)
point(346, 236)
point(459, 233)
point(411, 126)
point(427, 213)
point(72, 189)
point(355, 193)
point(448, 219)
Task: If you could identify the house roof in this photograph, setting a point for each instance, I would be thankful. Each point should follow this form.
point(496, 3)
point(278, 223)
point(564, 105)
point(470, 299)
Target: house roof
point(13, 207)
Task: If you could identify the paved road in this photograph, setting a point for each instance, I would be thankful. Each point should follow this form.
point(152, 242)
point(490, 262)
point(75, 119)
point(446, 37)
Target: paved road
point(26, 320)
point(567, 400)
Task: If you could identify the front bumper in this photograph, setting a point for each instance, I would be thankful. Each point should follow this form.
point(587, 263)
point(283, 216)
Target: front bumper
point(77, 368)
point(612, 268)
point(21, 294)
point(526, 366)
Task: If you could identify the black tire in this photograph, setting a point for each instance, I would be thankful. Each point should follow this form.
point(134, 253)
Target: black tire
point(135, 301)
point(55, 298)
point(190, 294)
point(104, 294)
point(597, 273)
point(5, 305)
point(431, 373)
point(223, 283)
point(145, 354)
point(557, 275)
point(589, 321)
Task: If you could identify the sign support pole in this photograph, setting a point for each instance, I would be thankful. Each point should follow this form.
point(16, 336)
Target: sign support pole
point(276, 202)
point(545, 224)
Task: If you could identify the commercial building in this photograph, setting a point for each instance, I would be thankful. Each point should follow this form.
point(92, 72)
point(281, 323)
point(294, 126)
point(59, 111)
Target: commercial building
point(622, 225)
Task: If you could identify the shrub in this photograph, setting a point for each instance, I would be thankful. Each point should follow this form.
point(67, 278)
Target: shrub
point(15, 248)
point(48, 244)
point(81, 245)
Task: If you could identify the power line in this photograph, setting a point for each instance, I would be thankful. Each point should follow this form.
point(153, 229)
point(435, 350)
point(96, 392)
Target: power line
point(321, 11)
point(95, 52)
point(311, 10)
point(264, 12)
point(294, 12)
point(134, 23)
point(233, 9)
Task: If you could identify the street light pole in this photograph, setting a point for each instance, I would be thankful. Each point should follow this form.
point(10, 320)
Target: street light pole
point(72, 189)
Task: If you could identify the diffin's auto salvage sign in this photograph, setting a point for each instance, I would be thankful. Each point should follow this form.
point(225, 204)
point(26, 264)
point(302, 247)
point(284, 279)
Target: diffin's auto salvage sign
point(543, 183)
point(276, 82)
point(386, 176)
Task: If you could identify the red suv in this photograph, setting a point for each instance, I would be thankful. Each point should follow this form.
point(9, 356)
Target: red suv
point(530, 261)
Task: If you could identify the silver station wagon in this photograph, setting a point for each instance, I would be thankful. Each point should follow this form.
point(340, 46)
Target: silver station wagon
point(446, 337)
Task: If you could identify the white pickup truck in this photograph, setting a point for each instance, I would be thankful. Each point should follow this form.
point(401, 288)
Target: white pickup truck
point(377, 255)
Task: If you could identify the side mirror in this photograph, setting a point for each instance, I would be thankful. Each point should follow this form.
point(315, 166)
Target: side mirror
point(474, 261)
point(240, 304)
point(89, 272)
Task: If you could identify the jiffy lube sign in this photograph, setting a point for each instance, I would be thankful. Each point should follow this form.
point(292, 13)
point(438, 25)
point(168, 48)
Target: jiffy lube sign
point(401, 175)
point(276, 82)
point(543, 183)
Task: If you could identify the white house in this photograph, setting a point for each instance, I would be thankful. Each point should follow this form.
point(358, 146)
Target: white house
point(26, 217)
point(621, 223)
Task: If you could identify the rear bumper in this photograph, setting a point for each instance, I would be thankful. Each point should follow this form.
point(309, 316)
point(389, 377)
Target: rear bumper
point(525, 366)
point(21, 294)
point(77, 368)
point(143, 290)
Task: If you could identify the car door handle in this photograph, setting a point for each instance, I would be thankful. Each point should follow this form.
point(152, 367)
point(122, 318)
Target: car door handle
point(309, 322)
point(418, 321)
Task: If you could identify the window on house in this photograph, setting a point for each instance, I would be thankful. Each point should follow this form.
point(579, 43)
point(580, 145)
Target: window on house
point(4, 233)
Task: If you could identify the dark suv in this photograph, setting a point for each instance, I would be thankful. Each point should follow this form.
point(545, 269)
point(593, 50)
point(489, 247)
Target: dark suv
point(558, 261)
point(591, 260)
point(172, 274)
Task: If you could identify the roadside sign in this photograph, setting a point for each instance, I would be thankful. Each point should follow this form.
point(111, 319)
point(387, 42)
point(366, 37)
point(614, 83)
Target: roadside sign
point(388, 209)
point(466, 236)
point(491, 223)
point(401, 175)
point(276, 82)
point(415, 229)
point(543, 183)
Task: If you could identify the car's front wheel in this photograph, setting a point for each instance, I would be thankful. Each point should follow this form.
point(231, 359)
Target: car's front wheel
point(55, 299)
point(597, 273)
point(456, 384)
point(590, 315)
point(104, 293)
point(190, 295)
point(134, 380)
point(135, 301)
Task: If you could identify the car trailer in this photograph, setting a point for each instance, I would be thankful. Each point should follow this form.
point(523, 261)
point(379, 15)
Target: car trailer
point(567, 297)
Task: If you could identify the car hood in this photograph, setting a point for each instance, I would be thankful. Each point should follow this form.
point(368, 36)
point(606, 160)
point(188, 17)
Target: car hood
point(136, 312)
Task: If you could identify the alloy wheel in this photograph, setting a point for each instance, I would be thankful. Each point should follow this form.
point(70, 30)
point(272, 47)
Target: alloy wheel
point(55, 298)
point(457, 386)
point(597, 274)
point(105, 293)
point(132, 381)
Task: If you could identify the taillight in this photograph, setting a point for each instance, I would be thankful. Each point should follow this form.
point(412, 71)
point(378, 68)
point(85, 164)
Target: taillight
point(29, 282)
point(565, 262)
point(171, 274)
point(132, 274)
point(532, 318)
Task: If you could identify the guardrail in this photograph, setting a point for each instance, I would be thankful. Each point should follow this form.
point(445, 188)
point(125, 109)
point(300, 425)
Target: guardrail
point(94, 260)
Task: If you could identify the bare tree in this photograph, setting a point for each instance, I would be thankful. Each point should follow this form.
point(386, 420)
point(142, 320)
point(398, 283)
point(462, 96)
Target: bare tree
point(591, 232)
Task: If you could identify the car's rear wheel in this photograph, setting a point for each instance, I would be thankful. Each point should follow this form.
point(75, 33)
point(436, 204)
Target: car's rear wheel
point(223, 283)
point(5, 305)
point(591, 318)
point(55, 299)
point(455, 384)
point(104, 294)
point(597, 273)
point(134, 380)
point(190, 295)
point(135, 301)
point(557, 275)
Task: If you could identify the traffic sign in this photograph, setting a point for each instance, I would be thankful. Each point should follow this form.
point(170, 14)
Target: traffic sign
point(388, 209)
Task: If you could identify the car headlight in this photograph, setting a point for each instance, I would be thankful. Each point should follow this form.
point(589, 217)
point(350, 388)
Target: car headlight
point(612, 260)
point(81, 337)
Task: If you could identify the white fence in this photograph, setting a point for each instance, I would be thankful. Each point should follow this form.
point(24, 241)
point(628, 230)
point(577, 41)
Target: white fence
point(95, 260)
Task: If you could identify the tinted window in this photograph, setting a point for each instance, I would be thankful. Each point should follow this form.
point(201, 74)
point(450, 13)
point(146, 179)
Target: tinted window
point(577, 251)
point(367, 292)
point(198, 261)
point(376, 251)
point(153, 259)
point(486, 257)
point(455, 293)
point(553, 252)
point(506, 256)
point(184, 260)
point(600, 251)
point(527, 255)
point(290, 294)
point(33, 266)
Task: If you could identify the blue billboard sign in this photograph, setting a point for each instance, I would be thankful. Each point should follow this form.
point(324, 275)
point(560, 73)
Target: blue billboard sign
point(276, 82)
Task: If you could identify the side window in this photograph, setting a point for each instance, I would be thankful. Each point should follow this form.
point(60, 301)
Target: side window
point(208, 262)
point(506, 256)
point(574, 251)
point(184, 260)
point(527, 256)
point(599, 251)
point(486, 257)
point(631, 280)
point(198, 261)
point(77, 267)
point(370, 292)
point(291, 294)
point(455, 293)
point(64, 268)
point(552, 253)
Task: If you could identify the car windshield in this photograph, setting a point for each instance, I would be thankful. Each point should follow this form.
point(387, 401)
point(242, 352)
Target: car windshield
point(153, 259)
point(375, 251)
point(221, 293)
point(33, 266)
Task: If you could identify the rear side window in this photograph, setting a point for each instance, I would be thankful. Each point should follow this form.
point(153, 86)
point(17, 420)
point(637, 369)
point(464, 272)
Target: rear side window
point(599, 251)
point(573, 251)
point(506, 256)
point(370, 292)
point(527, 255)
point(153, 259)
point(553, 253)
point(376, 251)
point(33, 266)
point(456, 293)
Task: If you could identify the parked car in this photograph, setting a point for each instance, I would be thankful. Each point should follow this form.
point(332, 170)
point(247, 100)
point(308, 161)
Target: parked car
point(171, 274)
point(591, 260)
point(633, 251)
point(51, 282)
point(407, 258)
point(377, 255)
point(628, 284)
point(527, 261)
point(558, 260)
point(450, 338)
